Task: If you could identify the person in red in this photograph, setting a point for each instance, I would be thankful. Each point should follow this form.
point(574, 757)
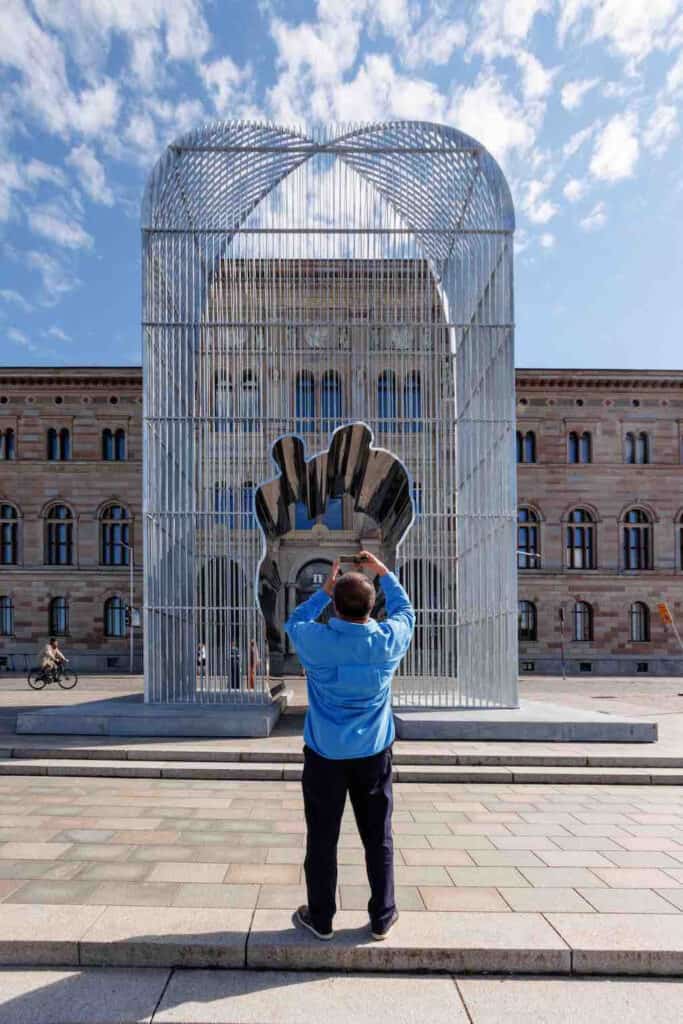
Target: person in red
point(350, 662)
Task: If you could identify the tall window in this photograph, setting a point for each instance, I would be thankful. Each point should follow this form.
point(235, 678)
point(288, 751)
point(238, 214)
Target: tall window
point(59, 536)
point(583, 622)
point(223, 411)
point(331, 400)
point(304, 400)
point(58, 445)
point(387, 400)
point(58, 617)
point(114, 445)
point(528, 629)
point(6, 616)
point(114, 536)
point(580, 540)
point(248, 506)
point(528, 547)
point(8, 535)
point(412, 402)
point(224, 504)
point(114, 617)
point(680, 540)
point(637, 546)
point(7, 445)
point(639, 617)
point(580, 447)
point(250, 399)
point(637, 448)
point(526, 446)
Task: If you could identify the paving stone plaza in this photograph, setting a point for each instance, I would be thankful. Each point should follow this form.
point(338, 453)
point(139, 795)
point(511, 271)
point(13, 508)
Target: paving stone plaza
point(532, 878)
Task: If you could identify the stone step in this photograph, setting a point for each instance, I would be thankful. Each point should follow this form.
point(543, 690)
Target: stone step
point(291, 771)
point(270, 753)
point(433, 941)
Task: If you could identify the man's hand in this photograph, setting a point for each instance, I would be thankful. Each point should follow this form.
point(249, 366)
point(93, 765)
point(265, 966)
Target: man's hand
point(367, 560)
point(328, 585)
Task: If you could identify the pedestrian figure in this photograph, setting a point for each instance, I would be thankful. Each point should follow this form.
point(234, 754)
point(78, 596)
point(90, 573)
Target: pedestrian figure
point(235, 666)
point(348, 735)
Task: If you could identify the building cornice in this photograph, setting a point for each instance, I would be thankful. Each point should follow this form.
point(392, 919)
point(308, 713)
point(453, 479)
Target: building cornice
point(614, 380)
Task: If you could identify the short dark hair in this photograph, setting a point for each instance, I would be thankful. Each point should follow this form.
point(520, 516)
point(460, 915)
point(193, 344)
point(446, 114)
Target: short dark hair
point(53, 639)
point(354, 595)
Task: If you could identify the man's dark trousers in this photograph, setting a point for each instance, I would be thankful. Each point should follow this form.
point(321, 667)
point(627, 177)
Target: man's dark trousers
point(326, 782)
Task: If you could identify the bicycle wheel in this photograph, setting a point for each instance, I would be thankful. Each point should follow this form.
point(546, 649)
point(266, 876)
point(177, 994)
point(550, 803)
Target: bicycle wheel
point(67, 679)
point(36, 679)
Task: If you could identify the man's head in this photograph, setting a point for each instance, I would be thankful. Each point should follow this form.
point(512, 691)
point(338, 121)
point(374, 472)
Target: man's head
point(53, 641)
point(354, 597)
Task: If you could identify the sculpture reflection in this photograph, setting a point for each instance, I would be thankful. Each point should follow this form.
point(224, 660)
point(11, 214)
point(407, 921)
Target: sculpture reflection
point(372, 482)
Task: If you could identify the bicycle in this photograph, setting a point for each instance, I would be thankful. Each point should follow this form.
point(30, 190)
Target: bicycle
point(39, 677)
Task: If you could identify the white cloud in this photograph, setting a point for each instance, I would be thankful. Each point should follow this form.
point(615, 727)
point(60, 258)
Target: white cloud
point(616, 149)
point(433, 42)
point(53, 222)
point(493, 116)
point(537, 80)
point(573, 92)
point(57, 280)
point(661, 129)
point(543, 212)
point(20, 338)
point(538, 209)
point(502, 25)
point(574, 190)
point(9, 295)
point(578, 139)
point(95, 112)
point(674, 77)
point(380, 91)
point(595, 219)
point(11, 181)
point(632, 28)
point(91, 174)
point(37, 171)
point(547, 240)
point(58, 333)
point(226, 84)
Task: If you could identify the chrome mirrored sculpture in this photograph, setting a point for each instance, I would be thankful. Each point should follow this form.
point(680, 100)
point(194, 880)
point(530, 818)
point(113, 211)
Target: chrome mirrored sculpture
point(299, 281)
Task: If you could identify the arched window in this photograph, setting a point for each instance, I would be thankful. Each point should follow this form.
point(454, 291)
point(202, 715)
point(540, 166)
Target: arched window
point(6, 616)
point(8, 535)
point(527, 628)
point(58, 617)
point(107, 445)
point(528, 547)
point(387, 400)
point(580, 447)
point(639, 617)
point(59, 535)
point(637, 448)
point(583, 622)
point(224, 505)
point(114, 617)
point(529, 447)
point(58, 445)
point(223, 411)
point(120, 445)
point(7, 445)
point(331, 400)
point(304, 401)
point(580, 540)
point(248, 506)
point(680, 541)
point(637, 546)
point(412, 402)
point(114, 536)
point(250, 400)
point(573, 447)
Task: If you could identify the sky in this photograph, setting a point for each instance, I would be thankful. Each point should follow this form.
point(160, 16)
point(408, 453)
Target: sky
point(578, 100)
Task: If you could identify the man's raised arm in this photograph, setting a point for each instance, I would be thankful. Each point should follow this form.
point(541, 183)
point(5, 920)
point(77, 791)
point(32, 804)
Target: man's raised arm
point(309, 611)
point(400, 621)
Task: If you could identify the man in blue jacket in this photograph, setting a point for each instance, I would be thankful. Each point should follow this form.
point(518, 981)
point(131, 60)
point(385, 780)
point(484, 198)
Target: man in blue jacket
point(349, 730)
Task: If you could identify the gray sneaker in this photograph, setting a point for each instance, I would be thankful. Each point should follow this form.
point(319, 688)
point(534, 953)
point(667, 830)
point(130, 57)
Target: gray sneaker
point(379, 934)
point(303, 918)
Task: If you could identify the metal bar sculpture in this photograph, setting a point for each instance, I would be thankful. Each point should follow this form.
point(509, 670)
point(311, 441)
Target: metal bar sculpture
point(296, 281)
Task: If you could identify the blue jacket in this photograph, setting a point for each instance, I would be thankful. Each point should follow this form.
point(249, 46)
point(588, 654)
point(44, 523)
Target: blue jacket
point(349, 668)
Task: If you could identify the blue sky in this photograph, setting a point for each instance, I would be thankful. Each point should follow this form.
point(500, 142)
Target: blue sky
point(579, 100)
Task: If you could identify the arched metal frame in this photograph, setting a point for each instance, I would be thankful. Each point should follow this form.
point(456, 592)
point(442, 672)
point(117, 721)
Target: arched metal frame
point(347, 250)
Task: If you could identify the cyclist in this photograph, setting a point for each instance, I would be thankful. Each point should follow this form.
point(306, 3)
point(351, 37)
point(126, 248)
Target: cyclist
point(51, 659)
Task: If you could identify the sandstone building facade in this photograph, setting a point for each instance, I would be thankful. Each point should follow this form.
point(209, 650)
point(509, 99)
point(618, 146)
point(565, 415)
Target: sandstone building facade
point(600, 534)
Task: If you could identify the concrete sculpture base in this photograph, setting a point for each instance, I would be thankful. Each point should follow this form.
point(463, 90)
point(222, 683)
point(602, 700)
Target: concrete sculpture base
point(129, 716)
point(531, 721)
